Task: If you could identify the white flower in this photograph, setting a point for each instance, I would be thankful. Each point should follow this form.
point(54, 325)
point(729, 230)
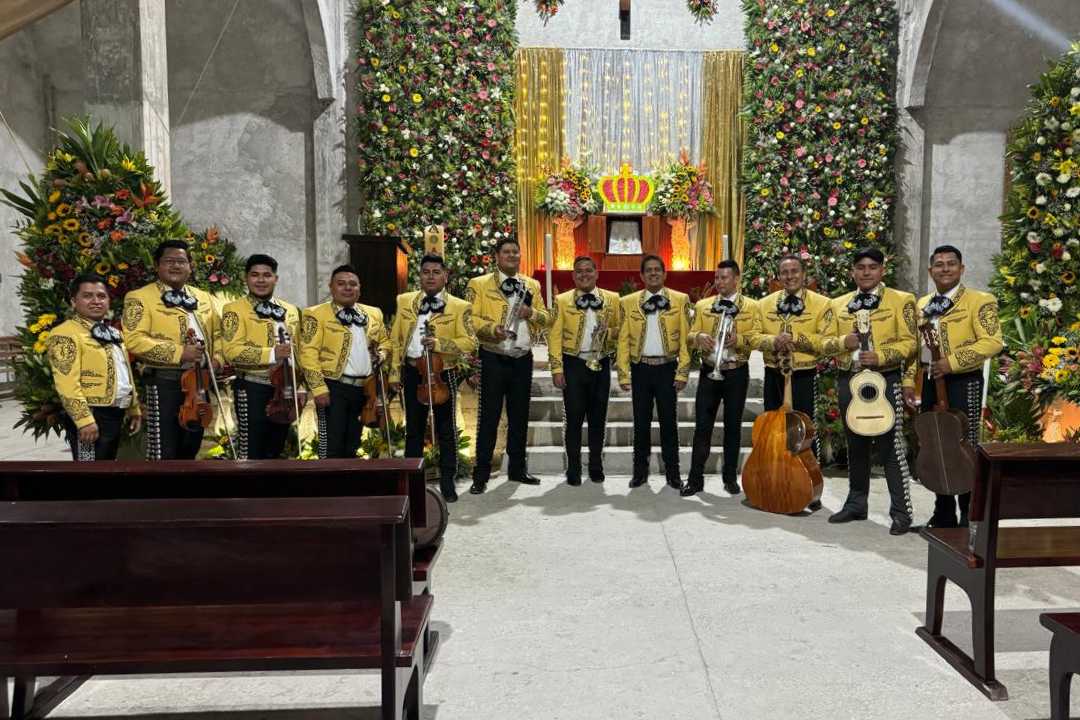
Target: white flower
point(1058, 232)
point(1041, 200)
point(1064, 178)
point(1072, 192)
point(1043, 179)
point(1040, 140)
point(1040, 267)
point(1072, 242)
point(1075, 92)
point(1066, 126)
point(1052, 123)
point(1066, 256)
point(1032, 236)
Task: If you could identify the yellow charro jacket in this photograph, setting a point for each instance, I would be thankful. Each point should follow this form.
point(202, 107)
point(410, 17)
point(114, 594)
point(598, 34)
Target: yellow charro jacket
point(156, 334)
point(325, 343)
point(706, 321)
point(568, 324)
point(489, 307)
point(806, 329)
point(892, 330)
point(84, 371)
point(674, 328)
point(455, 338)
point(248, 339)
point(970, 331)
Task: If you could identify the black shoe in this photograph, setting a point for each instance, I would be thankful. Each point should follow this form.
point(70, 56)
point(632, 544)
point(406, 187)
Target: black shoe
point(814, 506)
point(900, 527)
point(639, 479)
point(674, 481)
point(942, 521)
point(573, 479)
point(478, 487)
point(963, 520)
point(597, 477)
point(732, 486)
point(845, 516)
point(525, 479)
point(449, 494)
point(690, 489)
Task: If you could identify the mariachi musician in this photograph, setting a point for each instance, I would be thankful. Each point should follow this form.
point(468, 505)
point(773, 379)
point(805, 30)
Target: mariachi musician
point(892, 346)
point(431, 323)
point(653, 362)
point(171, 327)
point(92, 375)
point(342, 343)
point(584, 334)
point(258, 332)
point(724, 376)
point(790, 322)
point(970, 334)
point(507, 320)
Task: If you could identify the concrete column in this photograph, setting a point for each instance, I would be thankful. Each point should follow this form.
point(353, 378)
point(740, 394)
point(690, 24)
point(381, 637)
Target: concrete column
point(127, 80)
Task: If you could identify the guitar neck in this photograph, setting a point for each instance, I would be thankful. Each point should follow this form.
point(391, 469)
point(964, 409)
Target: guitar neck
point(940, 389)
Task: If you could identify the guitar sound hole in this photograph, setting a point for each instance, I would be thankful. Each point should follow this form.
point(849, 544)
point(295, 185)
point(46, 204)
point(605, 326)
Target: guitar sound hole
point(868, 393)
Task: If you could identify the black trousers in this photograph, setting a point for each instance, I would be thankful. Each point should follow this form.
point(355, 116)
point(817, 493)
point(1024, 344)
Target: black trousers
point(340, 429)
point(655, 385)
point(802, 390)
point(964, 392)
point(730, 390)
point(585, 397)
point(891, 448)
point(110, 425)
point(416, 423)
point(165, 438)
point(258, 437)
point(503, 379)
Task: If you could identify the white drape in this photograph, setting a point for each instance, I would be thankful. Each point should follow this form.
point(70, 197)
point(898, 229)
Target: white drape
point(636, 106)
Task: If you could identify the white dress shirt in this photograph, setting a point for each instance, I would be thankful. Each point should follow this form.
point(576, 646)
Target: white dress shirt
point(855, 364)
point(416, 343)
point(654, 343)
point(587, 331)
point(522, 345)
point(936, 322)
point(359, 362)
point(726, 355)
point(122, 399)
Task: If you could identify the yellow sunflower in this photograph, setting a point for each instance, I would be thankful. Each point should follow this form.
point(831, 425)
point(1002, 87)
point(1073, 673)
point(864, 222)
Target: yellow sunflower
point(1058, 340)
point(413, 152)
point(1025, 311)
point(1051, 361)
point(1068, 277)
point(63, 209)
point(102, 267)
point(1061, 375)
point(85, 240)
point(54, 196)
point(71, 224)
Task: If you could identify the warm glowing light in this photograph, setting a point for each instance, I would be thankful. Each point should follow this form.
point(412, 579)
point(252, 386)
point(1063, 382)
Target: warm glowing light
point(564, 243)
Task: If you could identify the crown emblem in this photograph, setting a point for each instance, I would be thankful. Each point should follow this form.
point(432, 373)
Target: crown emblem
point(626, 192)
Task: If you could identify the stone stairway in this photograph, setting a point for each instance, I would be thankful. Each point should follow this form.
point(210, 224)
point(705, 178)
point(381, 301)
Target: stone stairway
point(545, 434)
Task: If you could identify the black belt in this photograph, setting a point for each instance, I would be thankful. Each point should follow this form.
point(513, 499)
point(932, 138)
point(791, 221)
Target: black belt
point(162, 373)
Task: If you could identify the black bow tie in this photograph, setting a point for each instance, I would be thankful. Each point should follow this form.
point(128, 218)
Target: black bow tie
point(725, 307)
point(432, 304)
point(655, 303)
point(864, 301)
point(269, 310)
point(351, 316)
point(180, 299)
point(791, 305)
point(105, 333)
point(938, 306)
point(589, 301)
point(511, 286)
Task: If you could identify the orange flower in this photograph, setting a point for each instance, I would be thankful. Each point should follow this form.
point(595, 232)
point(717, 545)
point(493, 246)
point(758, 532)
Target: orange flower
point(113, 281)
point(116, 235)
point(24, 259)
point(104, 224)
point(212, 235)
point(123, 194)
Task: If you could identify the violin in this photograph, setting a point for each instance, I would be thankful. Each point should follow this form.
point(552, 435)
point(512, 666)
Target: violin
point(782, 475)
point(196, 411)
point(283, 407)
point(373, 413)
point(432, 390)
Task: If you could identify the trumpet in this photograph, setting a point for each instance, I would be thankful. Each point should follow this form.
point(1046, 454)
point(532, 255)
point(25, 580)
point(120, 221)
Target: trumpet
point(722, 329)
point(511, 315)
point(599, 339)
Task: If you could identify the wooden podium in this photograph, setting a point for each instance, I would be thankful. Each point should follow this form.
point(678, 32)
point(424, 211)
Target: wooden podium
point(591, 239)
point(382, 262)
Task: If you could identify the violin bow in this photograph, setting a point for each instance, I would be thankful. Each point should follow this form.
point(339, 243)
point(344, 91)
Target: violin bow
point(292, 369)
point(217, 391)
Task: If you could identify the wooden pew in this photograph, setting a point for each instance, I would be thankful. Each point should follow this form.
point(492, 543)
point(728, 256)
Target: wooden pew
point(1064, 659)
point(1014, 482)
point(169, 586)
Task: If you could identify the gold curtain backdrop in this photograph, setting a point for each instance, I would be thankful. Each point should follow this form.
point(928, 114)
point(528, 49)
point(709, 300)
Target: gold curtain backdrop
point(724, 135)
point(539, 110)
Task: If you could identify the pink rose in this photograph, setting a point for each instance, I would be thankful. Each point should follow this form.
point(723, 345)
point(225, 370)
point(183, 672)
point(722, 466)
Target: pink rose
point(800, 151)
point(799, 104)
point(833, 200)
point(861, 162)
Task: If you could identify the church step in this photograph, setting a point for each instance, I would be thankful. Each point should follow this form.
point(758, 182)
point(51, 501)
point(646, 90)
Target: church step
point(550, 432)
point(542, 385)
point(550, 407)
point(619, 461)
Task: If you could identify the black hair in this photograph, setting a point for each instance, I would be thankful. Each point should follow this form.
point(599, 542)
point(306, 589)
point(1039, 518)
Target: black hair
point(433, 258)
point(584, 258)
point(724, 264)
point(657, 258)
point(260, 259)
point(344, 269)
point(84, 278)
point(945, 250)
point(506, 241)
point(164, 245)
point(869, 252)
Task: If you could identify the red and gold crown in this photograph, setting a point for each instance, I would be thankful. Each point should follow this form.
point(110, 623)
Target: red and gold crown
point(626, 192)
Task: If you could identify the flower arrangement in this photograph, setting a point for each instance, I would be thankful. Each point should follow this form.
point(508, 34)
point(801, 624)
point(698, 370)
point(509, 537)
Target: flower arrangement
point(682, 190)
point(546, 9)
point(1035, 273)
point(97, 208)
point(569, 193)
point(703, 10)
point(434, 124)
point(818, 166)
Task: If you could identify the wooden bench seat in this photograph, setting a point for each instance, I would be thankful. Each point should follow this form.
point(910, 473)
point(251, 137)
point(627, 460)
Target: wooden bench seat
point(1064, 659)
point(1016, 546)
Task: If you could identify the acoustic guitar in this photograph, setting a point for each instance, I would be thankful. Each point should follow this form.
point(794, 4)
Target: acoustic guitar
point(946, 461)
point(782, 475)
point(870, 413)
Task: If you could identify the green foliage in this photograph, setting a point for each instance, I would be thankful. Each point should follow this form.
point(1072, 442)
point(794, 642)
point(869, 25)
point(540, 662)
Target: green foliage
point(434, 124)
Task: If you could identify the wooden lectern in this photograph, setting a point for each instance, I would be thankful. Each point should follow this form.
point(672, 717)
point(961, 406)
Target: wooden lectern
point(382, 262)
